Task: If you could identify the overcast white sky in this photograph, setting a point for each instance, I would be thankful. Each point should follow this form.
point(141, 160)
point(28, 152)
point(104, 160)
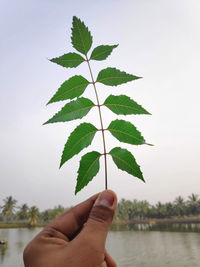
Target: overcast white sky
point(158, 40)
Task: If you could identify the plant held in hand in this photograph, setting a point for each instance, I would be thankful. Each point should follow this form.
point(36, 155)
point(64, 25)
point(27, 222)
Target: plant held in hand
point(83, 135)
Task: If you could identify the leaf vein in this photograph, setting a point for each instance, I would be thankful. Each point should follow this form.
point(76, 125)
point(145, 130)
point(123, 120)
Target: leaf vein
point(88, 170)
point(82, 139)
point(73, 88)
point(125, 162)
point(122, 106)
point(125, 133)
point(103, 52)
point(81, 38)
point(110, 77)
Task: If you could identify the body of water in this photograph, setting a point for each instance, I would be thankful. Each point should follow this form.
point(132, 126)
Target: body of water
point(128, 246)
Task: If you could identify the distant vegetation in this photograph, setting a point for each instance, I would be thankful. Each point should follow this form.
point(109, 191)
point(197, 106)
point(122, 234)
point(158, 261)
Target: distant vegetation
point(127, 210)
point(10, 212)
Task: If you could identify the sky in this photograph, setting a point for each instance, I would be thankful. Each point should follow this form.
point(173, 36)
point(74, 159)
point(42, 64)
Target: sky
point(158, 40)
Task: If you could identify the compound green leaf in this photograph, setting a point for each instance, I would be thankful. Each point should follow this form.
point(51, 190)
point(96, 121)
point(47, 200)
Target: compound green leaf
point(125, 161)
point(76, 109)
point(70, 89)
point(102, 52)
point(70, 60)
point(80, 138)
point(114, 77)
point(81, 37)
point(123, 104)
point(126, 132)
point(89, 167)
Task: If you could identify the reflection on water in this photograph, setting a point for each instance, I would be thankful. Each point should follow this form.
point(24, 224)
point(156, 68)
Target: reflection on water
point(173, 227)
point(154, 249)
point(3, 249)
point(11, 254)
point(142, 245)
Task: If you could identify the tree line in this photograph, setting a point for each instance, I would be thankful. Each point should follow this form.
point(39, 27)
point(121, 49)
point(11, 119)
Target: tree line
point(126, 210)
point(11, 212)
point(129, 210)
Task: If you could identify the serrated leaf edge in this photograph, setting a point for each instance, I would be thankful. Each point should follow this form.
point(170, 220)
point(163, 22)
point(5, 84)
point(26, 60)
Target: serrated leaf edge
point(116, 77)
point(127, 165)
point(87, 171)
point(125, 133)
point(74, 17)
point(76, 145)
point(147, 113)
point(69, 90)
point(113, 46)
point(68, 113)
point(67, 60)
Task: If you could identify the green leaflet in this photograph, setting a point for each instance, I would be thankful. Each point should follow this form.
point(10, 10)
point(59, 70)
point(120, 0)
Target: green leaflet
point(70, 60)
point(123, 104)
point(76, 109)
point(126, 132)
point(80, 138)
point(126, 162)
point(70, 89)
point(89, 167)
point(81, 37)
point(102, 52)
point(113, 77)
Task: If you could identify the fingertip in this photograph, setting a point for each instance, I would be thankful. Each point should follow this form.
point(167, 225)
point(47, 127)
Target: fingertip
point(107, 198)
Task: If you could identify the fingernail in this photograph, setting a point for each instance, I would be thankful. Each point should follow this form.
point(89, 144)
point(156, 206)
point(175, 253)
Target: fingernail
point(105, 199)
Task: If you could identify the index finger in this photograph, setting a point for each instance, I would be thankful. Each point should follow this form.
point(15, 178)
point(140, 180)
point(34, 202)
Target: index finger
point(71, 221)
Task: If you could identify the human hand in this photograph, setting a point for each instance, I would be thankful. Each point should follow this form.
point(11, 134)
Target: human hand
point(77, 238)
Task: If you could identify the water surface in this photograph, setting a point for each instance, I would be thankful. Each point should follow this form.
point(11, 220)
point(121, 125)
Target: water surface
point(130, 248)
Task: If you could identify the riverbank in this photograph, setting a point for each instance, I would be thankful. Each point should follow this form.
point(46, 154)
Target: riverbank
point(184, 220)
point(159, 221)
point(19, 225)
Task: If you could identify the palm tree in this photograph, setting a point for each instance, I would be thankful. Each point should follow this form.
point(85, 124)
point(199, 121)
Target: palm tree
point(23, 212)
point(180, 207)
point(160, 210)
point(194, 197)
point(193, 204)
point(33, 215)
point(135, 208)
point(169, 209)
point(124, 210)
point(57, 211)
point(46, 215)
point(9, 207)
point(143, 209)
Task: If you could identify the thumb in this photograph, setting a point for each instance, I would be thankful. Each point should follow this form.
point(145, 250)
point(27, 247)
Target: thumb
point(100, 218)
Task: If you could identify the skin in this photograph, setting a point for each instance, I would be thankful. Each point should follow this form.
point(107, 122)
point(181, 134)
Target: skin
point(77, 238)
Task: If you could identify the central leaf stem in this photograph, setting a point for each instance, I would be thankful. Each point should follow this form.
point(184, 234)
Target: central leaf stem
point(101, 122)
